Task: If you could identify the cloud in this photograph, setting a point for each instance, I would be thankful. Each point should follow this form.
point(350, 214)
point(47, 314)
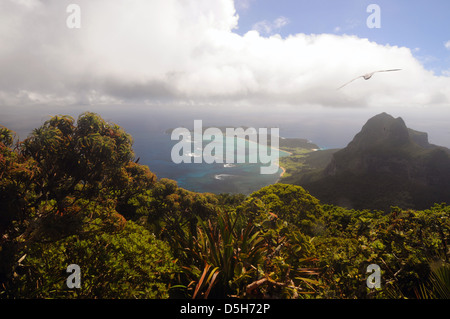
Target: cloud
point(186, 51)
point(349, 25)
point(243, 4)
point(447, 45)
point(268, 28)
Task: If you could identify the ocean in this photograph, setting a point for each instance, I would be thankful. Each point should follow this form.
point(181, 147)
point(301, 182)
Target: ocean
point(153, 146)
point(154, 150)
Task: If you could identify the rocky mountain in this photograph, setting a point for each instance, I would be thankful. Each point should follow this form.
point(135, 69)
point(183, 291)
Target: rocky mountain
point(386, 164)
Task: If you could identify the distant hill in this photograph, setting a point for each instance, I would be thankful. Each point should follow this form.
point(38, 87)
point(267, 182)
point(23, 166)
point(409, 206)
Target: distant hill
point(289, 143)
point(386, 164)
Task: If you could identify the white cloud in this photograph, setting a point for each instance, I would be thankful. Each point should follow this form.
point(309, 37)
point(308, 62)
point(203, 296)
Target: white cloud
point(447, 45)
point(268, 28)
point(281, 22)
point(243, 4)
point(30, 4)
point(349, 25)
point(185, 51)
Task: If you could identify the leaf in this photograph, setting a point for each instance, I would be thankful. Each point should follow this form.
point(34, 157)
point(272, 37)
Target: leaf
point(200, 282)
point(211, 284)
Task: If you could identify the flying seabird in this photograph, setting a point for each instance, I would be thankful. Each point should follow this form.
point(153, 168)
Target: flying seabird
point(368, 76)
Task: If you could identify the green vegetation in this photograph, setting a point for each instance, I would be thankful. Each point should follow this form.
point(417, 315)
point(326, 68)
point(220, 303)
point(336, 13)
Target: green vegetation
point(303, 158)
point(302, 162)
point(71, 193)
point(294, 163)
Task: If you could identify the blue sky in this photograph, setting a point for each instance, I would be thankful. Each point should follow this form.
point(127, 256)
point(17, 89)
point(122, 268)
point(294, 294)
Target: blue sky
point(422, 26)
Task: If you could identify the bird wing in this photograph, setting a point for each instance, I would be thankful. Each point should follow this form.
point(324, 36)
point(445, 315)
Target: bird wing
point(350, 82)
point(369, 74)
point(388, 70)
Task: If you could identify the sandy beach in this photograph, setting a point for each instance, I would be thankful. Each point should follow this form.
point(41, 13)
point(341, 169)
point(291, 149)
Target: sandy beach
point(273, 148)
point(283, 171)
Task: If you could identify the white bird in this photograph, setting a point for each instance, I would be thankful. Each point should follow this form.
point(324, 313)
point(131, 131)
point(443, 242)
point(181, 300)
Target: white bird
point(368, 76)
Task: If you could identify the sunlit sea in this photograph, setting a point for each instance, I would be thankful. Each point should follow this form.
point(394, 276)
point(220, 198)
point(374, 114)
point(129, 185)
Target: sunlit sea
point(154, 150)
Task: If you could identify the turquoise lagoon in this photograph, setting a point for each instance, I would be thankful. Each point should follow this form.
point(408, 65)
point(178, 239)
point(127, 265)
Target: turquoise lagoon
point(154, 150)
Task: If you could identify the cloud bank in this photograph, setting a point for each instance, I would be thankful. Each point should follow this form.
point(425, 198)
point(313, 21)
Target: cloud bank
point(186, 52)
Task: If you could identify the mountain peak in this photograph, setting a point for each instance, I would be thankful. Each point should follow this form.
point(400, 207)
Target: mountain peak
point(385, 164)
point(383, 115)
point(382, 129)
point(385, 119)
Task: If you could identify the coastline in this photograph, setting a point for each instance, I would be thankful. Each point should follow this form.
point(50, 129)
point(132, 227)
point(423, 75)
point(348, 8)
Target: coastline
point(281, 153)
point(280, 150)
point(283, 171)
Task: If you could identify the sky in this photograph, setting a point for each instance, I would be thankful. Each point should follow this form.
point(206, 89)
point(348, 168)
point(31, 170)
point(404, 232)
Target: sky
point(422, 26)
point(261, 56)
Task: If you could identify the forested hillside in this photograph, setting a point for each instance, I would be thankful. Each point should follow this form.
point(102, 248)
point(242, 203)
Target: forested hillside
point(72, 193)
point(386, 164)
